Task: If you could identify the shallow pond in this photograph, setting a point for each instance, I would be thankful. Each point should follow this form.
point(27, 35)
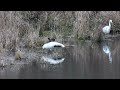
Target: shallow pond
point(79, 60)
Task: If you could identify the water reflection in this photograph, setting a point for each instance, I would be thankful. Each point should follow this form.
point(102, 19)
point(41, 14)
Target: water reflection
point(107, 50)
point(53, 60)
point(86, 60)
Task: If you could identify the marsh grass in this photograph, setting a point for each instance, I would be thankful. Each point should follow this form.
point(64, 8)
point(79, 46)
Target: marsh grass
point(90, 23)
point(31, 28)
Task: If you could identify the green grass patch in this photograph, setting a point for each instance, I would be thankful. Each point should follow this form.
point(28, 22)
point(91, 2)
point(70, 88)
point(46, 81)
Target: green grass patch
point(46, 33)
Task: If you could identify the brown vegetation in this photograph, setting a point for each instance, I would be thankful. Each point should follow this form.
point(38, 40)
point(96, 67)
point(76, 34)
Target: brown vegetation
point(29, 28)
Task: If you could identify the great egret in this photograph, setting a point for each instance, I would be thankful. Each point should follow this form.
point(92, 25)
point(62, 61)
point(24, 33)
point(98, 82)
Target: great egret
point(107, 29)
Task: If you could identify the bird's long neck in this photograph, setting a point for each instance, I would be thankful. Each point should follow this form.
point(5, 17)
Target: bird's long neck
point(109, 24)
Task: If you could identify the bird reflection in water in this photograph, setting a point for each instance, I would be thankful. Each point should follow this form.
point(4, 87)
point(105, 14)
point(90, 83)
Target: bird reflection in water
point(52, 60)
point(107, 50)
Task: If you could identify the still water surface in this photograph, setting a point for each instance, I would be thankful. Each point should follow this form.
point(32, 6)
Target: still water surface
point(80, 60)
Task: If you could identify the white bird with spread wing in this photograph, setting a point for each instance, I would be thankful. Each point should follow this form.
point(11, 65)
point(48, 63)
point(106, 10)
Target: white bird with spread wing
point(51, 44)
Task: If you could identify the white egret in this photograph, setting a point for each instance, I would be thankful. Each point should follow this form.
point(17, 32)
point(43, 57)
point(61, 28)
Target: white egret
point(107, 29)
